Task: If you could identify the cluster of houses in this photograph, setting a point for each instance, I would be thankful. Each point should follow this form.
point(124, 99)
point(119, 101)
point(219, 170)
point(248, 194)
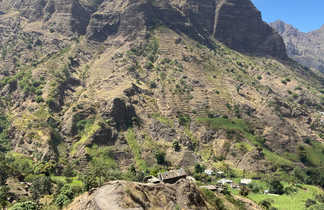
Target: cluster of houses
point(174, 175)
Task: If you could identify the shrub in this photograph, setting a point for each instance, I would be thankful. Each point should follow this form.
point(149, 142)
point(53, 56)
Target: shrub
point(307, 140)
point(199, 168)
point(83, 124)
point(165, 61)
point(255, 188)
point(132, 68)
point(276, 187)
point(309, 202)
point(4, 192)
point(153, 85)
point(184, 119)
point(27, 205)
point(284, 82)
point(176, 146)
point(149, 65)
point(290, 190)
point(4, 137)
point(41, 185)
point(51, 104)
point(39, 99)
point(320, 198)
point(89, 182)
point(266, 203)
point(160, 157)
point(244, 191)
point(65, 196)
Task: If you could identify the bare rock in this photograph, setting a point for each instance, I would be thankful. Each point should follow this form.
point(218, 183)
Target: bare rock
point(119, 195)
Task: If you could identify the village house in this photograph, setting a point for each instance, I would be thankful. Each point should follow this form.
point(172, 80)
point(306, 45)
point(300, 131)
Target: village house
point(225, 181)
point(209, 172)
point(209, 187)
point(220, 174)
point(245, 181)
point(154, 180)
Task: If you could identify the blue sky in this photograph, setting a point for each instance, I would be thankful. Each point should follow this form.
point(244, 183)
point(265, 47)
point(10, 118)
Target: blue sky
point(306, 15)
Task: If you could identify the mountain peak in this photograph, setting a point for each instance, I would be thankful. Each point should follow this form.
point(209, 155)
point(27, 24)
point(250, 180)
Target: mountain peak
point(282, 27)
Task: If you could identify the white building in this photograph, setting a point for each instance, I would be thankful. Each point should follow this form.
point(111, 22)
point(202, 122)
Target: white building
point(245, 181)
point(209, 172)
point(225, 181)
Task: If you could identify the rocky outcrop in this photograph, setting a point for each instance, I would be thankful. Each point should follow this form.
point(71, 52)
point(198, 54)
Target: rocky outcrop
point(240, 26)
point(122, 114)
point(119, 195)
point(305, 48)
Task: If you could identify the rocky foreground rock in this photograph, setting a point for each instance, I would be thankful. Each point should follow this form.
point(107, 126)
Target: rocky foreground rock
point(119, 195)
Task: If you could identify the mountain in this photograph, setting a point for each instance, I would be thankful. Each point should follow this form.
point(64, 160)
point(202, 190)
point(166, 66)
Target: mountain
point(99, 90)
point(305, 48)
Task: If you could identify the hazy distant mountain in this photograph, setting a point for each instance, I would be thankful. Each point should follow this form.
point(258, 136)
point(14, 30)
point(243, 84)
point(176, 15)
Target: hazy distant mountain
point(306, 48)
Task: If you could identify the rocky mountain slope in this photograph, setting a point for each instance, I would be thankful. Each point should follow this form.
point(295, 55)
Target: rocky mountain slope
point(99, 90)
point(306, 48)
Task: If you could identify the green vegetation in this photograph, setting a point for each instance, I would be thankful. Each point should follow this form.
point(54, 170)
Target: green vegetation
point(176, 146)
point(136, 149)
point(213, 200)
point(4, 192)
point(20, 163)
point(4, 139)
point(65, 196)
point(25, 81)
point(27, 205)
point(163, 119)
point(223, 123)
point(87, 128)
point(102, 163)
point(184, 119)
point(294, 201)
point(60, 78)
point(160, 157)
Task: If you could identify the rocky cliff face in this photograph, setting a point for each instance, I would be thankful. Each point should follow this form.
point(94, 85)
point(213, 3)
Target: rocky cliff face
point(239, 25)
point(236, 23)
point(306, 48)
